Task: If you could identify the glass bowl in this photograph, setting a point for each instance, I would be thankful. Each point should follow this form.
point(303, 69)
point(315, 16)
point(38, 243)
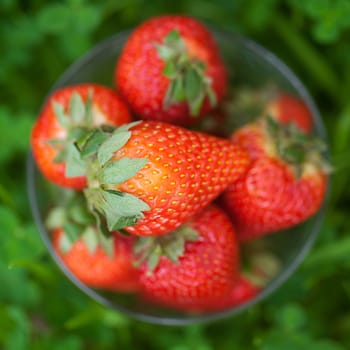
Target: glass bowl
point(248, 64)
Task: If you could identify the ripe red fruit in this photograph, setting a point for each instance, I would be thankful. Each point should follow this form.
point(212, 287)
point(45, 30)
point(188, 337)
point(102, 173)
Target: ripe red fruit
point(246, 105)
point(64, 117)
point(170, 70)
point(204, 274)
point(154, 177)
point(288, 108)
point(242, 291)
point(98, 269)
point(285, 183)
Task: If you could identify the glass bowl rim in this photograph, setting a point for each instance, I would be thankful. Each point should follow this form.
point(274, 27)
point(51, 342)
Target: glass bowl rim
point(285, 71)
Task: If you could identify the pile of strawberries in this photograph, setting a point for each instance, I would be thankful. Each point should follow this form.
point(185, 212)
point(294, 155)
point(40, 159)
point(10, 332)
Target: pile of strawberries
point(163, 193)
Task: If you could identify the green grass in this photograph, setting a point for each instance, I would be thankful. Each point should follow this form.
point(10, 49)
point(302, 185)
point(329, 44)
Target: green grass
point(39, 308)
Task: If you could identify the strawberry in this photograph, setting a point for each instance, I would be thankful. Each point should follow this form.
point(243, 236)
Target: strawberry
point(288, 108)
point(150, 177)
point(243, 290)
point(67, 113)
point(285, 183)
point(94, 267)
point(170, 70)
point(244, 106)
point(203, 274)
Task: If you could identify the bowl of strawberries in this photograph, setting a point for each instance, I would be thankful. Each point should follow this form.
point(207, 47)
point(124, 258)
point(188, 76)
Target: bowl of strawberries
point(178, 174)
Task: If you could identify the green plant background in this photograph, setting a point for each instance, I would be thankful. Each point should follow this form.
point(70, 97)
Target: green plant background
point(39, 308)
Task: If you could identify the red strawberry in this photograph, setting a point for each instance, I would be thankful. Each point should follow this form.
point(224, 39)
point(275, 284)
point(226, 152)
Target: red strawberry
point(204, 273)
point(288, 108)
point(285, 183)
point(64, 117)
point(242, 291)
point(260, 267)
point(170, 70)
point(96, 268)
point(154, 177)
point(244, 106)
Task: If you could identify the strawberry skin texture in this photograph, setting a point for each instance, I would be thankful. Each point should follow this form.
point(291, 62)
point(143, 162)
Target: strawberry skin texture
point(204, 274)
point(287, 108)
point(108, 108)
point(139, 76)
point(252, 138)
point(186, 170)
point(242, 291)
point(269, 198)
point(99, 270)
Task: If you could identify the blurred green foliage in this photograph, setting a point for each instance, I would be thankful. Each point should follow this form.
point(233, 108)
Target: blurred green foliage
point(39, 308)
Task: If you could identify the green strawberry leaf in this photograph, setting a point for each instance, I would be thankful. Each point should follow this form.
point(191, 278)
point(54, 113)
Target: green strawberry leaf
point(65, 244)
point(114, 142)
point(76, 109)
point(116, 223)
point(171, 245)
point(294, 154)
point(178, 91)
point(210, 93)
point(56, 218)
point(89, 144)
point(196, 104)
point(60, 157)
point(117, 193)
point(122, 210)
point(172, 37)
point(111, 145)
point(189, 234)
point(154, 257)
point(164, 52)
point(77, 132)
point(75, 166)
point(296, 147)
point(128, 126)
point(61, 116)
point(174, 249)
point(101, 223)
point(88, 109)
point(127, 204)
point(170, 69)
point(273, 127)
point(121, 170)
point(188, 81)
point(79, 213)
point(192, 83)
point(72, 230)
point(107, 244)
point(89, 237)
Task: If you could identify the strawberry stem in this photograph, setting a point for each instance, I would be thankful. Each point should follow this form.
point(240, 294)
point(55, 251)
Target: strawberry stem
point(295, 147)
point(113, 209)
point(188, 82)
point(171, 245)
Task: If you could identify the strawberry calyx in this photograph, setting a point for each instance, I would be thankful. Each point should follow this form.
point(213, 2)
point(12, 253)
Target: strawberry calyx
point(295, 147)
point(113, 209)
point(247, 104)
point(188, 82)
point(259, 265)
point(74, 121)
point(172, 245)
point(77, 223)
point(77, 123)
